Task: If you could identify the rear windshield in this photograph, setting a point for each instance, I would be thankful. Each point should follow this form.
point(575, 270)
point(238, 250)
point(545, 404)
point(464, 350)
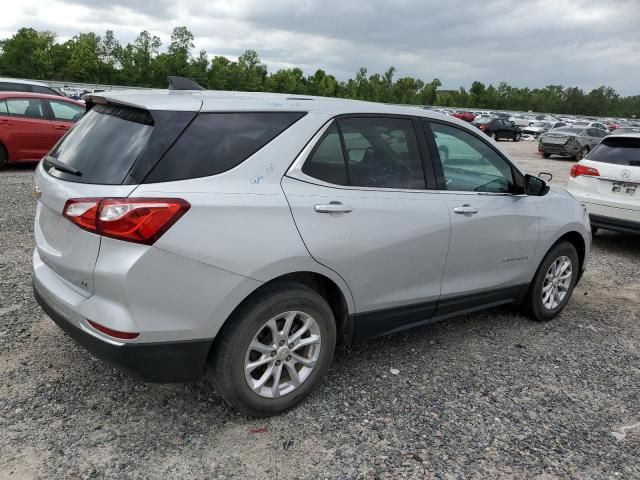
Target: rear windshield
point(483, 120)
point(104, 144)
point(618, 151)
point(217, 142)
point(568, 130)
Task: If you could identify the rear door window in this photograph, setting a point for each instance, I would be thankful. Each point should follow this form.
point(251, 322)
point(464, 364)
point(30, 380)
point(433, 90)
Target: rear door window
point(104, 145)
point(382, 153)
point(29, 108)
point(217, 142)
point(3, 108)
point(617, 151)
point(66, 112)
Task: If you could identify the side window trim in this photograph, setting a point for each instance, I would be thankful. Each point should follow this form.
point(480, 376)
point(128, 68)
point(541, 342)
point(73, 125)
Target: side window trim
point(518, 177)
point(343, 145)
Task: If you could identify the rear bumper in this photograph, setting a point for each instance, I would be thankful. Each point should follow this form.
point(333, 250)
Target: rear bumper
point(615, 224)
point(556, 149)
point(163, 362)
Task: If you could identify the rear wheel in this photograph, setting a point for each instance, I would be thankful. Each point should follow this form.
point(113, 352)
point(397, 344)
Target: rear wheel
point(582, 153)
point(517, 137)
point(546, 155)
point(494, 136)
point(553, 283)
point(274, 350)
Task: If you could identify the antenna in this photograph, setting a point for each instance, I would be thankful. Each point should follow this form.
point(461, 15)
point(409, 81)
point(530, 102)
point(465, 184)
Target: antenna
point(182, 83)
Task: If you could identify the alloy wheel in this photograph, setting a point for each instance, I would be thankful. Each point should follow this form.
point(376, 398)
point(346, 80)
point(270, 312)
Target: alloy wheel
point(282, 354)
point(557, 282)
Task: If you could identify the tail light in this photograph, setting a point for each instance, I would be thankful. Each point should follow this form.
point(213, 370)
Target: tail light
point(483, 127)
point(138, 220)
point(577, 170)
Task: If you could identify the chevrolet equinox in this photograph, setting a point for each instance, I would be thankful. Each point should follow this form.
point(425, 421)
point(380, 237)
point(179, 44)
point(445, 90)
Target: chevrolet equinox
point(244, 236)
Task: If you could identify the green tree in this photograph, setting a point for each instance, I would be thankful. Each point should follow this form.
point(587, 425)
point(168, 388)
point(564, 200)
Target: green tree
point(27, 54)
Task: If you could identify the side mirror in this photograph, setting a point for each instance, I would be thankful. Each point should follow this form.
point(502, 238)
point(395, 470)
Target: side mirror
point(535, 186)
point(547, 177)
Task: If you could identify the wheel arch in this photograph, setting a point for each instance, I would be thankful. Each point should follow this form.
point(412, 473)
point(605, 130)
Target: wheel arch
point(340, 302)
point(575, 238)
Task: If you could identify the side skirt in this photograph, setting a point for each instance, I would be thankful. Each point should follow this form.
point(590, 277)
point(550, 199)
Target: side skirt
point(390, 320)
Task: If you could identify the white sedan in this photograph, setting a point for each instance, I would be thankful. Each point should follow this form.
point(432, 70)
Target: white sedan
point(522, 120)
point(607, 181)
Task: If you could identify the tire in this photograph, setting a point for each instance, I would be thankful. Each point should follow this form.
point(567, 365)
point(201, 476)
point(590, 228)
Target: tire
point(534, 303)
point(582, 153)
point(546, 155)
point(232, 352)
point(3, 157)
point(517, 137)
point(494, 136)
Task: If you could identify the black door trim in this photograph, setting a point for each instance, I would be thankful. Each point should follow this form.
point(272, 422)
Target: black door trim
point(389, 320)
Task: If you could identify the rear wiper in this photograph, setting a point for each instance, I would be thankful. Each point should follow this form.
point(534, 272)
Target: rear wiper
point(58, 165)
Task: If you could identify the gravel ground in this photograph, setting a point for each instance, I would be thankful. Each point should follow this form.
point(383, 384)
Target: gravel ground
point(487, 395)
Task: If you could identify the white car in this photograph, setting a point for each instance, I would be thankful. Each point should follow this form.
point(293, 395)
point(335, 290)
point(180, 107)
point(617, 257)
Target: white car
point(588, 124)
point(607, 181)
point(537, 128)
point(521, 120)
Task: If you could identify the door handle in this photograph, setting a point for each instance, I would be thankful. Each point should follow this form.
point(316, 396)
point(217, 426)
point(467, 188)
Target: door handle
point(466, 209)
point(333, 207)
point(60, 127)
point(5, 122)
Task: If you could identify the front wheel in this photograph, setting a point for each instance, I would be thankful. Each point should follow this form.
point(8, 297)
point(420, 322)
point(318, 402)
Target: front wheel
point(273, 350)
point(553, 283)
point(517, 137)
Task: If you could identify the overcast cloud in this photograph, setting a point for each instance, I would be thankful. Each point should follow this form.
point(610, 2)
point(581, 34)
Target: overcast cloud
point(525, 43)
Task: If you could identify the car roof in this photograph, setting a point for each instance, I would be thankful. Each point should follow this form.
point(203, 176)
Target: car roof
point(25, 82)
point(226, 101)
point(623, 135)
point(44, 96)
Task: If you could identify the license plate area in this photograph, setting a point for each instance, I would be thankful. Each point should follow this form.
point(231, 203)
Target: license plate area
point(556, 140)
point(624, 188)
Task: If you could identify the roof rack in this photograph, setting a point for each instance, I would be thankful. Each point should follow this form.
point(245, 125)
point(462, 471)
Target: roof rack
point(182, 83)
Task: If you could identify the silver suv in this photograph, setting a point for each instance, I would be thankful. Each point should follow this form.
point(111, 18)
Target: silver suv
point(247, 235)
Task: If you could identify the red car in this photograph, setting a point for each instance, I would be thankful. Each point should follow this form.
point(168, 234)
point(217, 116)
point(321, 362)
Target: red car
point(31, 124)
point(466, 116)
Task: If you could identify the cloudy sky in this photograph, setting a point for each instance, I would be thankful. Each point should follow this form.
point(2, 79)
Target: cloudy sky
point(523, 42)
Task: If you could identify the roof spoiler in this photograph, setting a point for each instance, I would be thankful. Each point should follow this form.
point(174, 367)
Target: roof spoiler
point(182, 83)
